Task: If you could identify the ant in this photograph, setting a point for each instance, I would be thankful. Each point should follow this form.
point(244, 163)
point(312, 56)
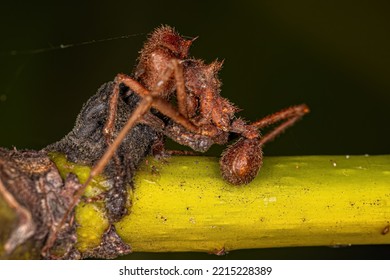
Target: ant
point(129, 117)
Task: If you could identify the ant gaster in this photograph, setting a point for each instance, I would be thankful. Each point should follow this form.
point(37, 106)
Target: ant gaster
point(141, 103)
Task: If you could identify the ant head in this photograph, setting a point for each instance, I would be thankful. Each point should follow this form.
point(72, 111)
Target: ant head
point(166, 37)
point(241, 161)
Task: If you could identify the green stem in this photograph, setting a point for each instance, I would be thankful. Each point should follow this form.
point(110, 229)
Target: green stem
point(184, 205)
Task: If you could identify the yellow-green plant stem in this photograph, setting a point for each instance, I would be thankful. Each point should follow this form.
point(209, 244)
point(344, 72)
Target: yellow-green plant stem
point(182, 204)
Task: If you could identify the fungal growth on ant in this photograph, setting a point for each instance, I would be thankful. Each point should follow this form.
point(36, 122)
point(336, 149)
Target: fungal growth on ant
point(128, 119)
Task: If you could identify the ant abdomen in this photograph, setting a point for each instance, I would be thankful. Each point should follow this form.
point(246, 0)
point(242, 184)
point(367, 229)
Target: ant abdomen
point(241, 161)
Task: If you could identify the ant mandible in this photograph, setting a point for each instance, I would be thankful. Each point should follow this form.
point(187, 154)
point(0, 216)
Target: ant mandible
point(201, 118)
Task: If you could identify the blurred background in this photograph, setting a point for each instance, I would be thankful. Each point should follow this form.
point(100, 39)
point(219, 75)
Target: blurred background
point(331, 55)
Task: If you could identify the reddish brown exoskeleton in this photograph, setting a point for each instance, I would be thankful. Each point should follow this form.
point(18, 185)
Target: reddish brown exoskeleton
point(163, 70)
point(200, 118)
point(214, 114)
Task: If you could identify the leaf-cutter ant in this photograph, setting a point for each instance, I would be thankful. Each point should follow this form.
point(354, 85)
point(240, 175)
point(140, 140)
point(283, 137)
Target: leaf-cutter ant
point(128, 118)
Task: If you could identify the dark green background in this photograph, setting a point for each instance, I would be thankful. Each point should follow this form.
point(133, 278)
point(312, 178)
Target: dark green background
point(333, 56)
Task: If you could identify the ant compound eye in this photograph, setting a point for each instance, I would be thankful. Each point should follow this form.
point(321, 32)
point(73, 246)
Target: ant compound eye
point(241, 161)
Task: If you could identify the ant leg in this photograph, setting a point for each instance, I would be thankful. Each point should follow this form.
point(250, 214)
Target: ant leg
point(180, 114)
point(298, 110)
point(113, 103)
point(181, 94)
point(291, 115)
point(158, 103)
point(250, 131)
point(142, 108)
point(108, 129)
point(174, 67)
point(116, 196)
point(162, 105)
point(241, 162)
